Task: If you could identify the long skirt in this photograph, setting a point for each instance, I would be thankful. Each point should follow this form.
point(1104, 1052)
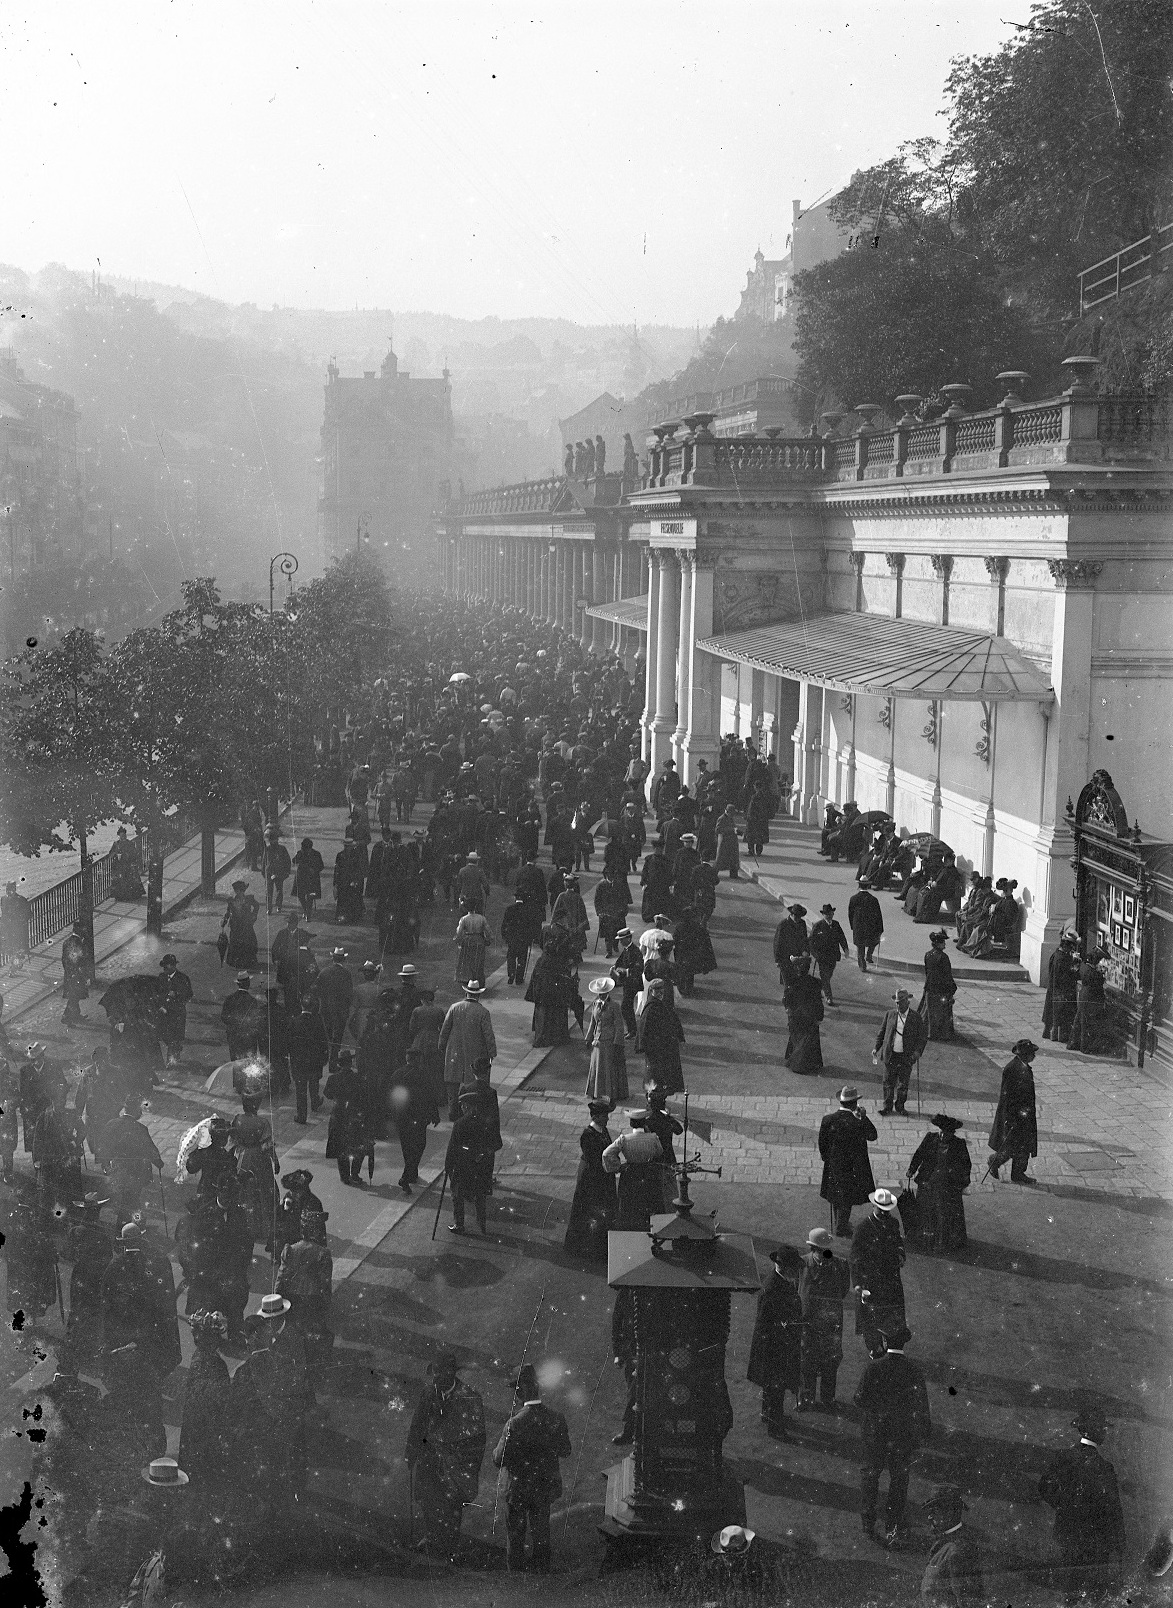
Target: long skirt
point(551, 1025)
point(938, 1010)
point(349, 906)
point(470, 960)
point(643, 1192)
point(592, 1213)
point(942, 1217)
point(607, 1075)
point(804, 1048)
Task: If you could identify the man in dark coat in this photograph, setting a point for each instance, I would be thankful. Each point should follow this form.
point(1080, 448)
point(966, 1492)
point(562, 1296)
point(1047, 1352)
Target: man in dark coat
point(177, 994)
point(1080, 1484)
point(822, 1287)
point(877, 1255)
point(243, 1018)
point(1088, 1025)
point(469, 1146)
point(790, 941)
point(335, 991)
point(843, 1144)
point(899, 1045)
point(531, 885)
point(775, 1351)
point(866, 920)
point(628, 972)
point(1062, 989)
point(827, 945)
point(533, 1441)
point(894, 1409)
point(1014, 1136)
point(521, 928)
point(445, 1449)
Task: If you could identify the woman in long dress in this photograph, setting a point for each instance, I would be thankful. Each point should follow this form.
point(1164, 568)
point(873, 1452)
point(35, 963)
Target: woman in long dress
point(126, 884)
point(593, 1208)
point(728, 849)
point(473, 936)
point(350, 875)
point(549, 992)
point(607, 1077)
point(936, 1005)
point(941, 1169)
point(241, 920)
point(251, 1140)
point(659, 1036)
point(307, 877)
point(205, 1433)
point(804, 1012)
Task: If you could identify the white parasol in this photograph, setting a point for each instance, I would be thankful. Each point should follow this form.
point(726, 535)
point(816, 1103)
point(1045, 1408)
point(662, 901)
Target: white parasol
point(197, 1138)
point(458, 677)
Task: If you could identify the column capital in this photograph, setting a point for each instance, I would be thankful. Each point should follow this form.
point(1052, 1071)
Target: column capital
point(1074, 573)
point(666, 558)
point(997, 568)
point(857, 561)
point(895, 562)
point(942, 565)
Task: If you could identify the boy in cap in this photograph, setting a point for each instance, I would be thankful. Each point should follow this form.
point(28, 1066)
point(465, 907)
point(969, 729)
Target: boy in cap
point(532, 1443)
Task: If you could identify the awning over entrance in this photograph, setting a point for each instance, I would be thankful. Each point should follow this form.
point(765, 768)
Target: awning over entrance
point(631, 611)
point(870, 653)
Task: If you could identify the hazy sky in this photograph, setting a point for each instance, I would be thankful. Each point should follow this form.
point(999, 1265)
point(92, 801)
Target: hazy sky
point(596, 161)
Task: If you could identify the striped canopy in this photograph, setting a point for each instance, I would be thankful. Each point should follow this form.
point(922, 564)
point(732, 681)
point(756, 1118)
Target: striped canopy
point(627, 611)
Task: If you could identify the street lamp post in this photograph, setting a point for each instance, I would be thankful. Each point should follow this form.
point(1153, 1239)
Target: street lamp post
point(288, 567)
point(362, 533)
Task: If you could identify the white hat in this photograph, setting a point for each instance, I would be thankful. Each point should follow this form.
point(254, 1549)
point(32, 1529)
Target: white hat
point(884, 1200)
point(473, 855)
point(164, 1471)
point(274, 1306)
point(472, 987)
point(407, 971)
point(601, 985)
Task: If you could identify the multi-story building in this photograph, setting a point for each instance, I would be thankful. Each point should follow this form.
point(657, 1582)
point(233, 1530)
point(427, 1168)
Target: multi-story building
point(386, 453)
point(40, 474)
point(962, 623)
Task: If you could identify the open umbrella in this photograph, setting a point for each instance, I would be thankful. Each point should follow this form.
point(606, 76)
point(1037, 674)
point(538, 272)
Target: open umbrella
point(458, 678)
point(197, 1138)
point(926, 843)
point(144, 994)
point(248, 1075)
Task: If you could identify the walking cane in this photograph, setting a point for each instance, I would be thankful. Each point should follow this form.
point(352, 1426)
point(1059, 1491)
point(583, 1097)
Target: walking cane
point(440, 1204)
point(918, 1085)
point(163, 1203)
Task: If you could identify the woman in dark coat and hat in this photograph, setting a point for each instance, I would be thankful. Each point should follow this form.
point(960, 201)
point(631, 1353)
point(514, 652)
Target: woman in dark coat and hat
point(659, 1036)
point(240, 918)
point(936, 1003)
point(205, 1433)
point(1015, 1134)
point(592, 1210)
point(307, 877)
point(941, 1169)
point(757, 821)
point(346, 1138)
point(775, 1352)
point(1062, 989)
point(694, 951)
point(804, 1012)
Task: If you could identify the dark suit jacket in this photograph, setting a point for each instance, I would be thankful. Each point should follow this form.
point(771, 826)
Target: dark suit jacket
point(531, 1444)
point(915, 1035)
point(894, 1402)
point(843, 1145)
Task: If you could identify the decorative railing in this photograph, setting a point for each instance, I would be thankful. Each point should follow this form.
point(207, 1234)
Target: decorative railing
point(753, 460)
point(526, 497)
point(1134, 421)
point(975, 435)
point(1124, 269)
point(924, 441)
point(1036, 426)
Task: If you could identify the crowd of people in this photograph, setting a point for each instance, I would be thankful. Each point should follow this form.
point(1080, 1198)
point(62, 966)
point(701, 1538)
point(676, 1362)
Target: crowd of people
point(517, 741)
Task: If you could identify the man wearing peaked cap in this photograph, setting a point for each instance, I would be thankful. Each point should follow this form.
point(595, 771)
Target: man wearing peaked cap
point(534, 1440)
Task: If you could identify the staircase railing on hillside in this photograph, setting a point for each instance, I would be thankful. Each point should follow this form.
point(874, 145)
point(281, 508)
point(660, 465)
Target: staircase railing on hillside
point(1125, 269)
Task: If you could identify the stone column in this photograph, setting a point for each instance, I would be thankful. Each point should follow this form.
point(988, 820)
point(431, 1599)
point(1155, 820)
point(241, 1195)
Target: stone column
point(757, 704)
point(1064, 747)
point(571, 621)
point(683, 658)
point(581, 558)
point(702, 715)
point(598, 595)
point(808, 753)
point(650, 665)
point(667, 627)
point(532, 553)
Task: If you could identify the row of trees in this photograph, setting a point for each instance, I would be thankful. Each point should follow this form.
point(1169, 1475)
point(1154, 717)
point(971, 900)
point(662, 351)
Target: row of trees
point(215, 705)
point(967, 251)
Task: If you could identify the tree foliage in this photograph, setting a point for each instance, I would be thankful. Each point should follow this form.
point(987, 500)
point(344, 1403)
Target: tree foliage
point(966, 254)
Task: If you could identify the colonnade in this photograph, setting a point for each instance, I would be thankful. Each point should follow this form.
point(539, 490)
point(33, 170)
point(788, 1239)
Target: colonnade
point(551, 578)
point(682, 707)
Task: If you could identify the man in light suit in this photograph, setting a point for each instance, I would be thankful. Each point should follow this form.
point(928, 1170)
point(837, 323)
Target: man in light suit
point(900, 1043)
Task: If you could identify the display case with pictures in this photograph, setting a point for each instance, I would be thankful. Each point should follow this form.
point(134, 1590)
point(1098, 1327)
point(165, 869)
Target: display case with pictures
point(1124, 906)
